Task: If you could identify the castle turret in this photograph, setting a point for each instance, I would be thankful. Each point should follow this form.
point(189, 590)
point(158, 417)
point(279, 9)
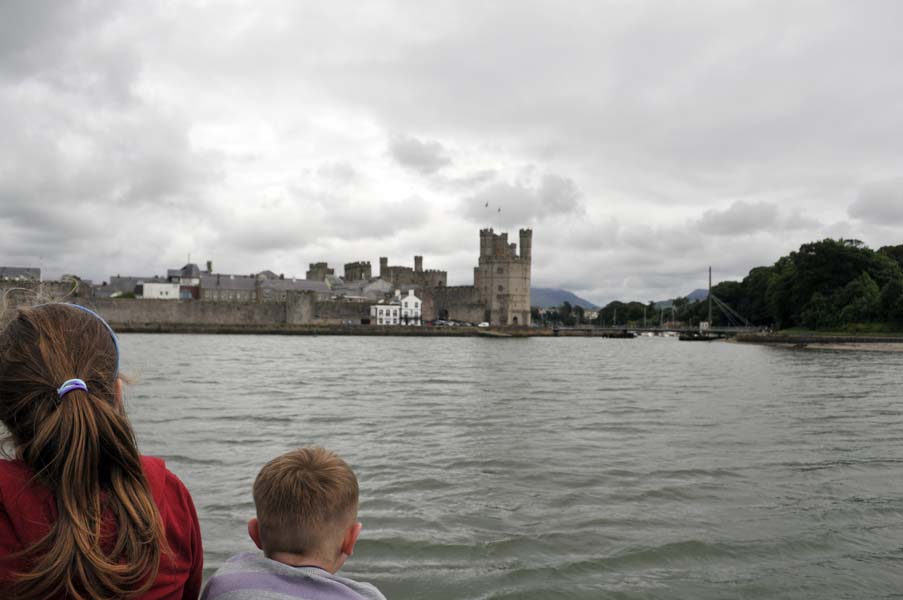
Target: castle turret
point(383, 266)
point(418, 264)
point(526, 243)
point(486, 242)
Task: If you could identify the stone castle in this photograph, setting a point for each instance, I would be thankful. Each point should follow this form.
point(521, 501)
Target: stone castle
point(500, 294)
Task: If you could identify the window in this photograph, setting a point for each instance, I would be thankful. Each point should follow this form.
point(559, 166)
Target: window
point(501, 288)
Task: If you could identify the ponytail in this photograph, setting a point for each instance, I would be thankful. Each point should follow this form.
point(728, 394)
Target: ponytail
point(108, 536)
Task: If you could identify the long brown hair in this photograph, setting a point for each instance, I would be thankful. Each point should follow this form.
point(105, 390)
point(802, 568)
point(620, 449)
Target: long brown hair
point(82, 447)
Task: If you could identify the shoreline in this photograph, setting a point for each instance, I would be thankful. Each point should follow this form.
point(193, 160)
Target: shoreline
point(351, 330)
point(867, 343)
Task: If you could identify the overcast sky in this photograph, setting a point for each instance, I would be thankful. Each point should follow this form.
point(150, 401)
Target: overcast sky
point(642, 141)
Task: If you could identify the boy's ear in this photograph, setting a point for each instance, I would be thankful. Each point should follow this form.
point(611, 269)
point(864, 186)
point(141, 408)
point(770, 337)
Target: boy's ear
point(254, 531)
point(350, 538)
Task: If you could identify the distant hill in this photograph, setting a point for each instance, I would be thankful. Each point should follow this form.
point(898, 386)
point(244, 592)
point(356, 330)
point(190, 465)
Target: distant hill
point(551, 297)
point(697, 295)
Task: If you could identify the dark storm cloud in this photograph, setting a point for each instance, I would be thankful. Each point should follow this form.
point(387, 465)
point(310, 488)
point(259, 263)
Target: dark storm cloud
point(425, 157)
point(880, 203)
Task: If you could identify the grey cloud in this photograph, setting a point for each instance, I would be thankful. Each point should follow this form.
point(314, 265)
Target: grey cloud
point(519, 203)
point(340, 173)
point(467, 182)
point(739, 218)
point(653, 108)
point(880, 203)
point(297, 222)
point(425, 157)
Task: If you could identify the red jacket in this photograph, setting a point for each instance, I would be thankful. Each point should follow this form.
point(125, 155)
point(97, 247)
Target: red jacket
point(27, 509)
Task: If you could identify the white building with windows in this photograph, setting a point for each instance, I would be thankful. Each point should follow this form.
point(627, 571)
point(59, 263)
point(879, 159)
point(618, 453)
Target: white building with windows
point(159, 290)
point(410, 307)
point(385, 313)
point(401, 310)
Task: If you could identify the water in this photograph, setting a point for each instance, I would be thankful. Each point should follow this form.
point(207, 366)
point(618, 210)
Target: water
point(553, 468)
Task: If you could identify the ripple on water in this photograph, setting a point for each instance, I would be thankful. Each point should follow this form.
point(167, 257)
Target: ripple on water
point(552, 468)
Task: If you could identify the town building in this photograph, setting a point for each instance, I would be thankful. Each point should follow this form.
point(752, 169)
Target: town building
point(20, 274)
point(362, 290)
point(189, 280)
point(385, 313)
point(219, 287)
point(130, 286)
point(276, 290)
point(400, 310)
point(410, 307)
point(158, 290)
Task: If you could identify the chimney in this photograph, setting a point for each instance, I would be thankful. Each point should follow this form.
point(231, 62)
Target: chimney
point(210, 266)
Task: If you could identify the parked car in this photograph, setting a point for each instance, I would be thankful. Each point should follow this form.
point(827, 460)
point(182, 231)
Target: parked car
point(483, 324)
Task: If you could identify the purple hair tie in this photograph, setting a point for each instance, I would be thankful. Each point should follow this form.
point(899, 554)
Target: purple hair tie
point(70, 385)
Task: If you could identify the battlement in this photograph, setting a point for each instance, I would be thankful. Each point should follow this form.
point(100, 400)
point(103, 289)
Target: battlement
point(495, 246)
point(319, 271)
point(357, 271)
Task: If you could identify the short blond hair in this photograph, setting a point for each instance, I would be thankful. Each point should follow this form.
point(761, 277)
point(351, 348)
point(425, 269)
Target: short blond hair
point(304, 499)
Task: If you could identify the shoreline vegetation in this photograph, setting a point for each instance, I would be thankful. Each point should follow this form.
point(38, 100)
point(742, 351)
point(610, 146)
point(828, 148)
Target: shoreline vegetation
point(826, 286)
point(797, 339)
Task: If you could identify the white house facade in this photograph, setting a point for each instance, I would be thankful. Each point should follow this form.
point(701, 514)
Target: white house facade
point(401, 310)
point(160, 291)
point(410, 308)
point(385, 314)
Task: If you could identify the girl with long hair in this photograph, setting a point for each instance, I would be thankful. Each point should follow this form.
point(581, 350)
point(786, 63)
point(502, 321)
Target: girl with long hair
point(82, 514)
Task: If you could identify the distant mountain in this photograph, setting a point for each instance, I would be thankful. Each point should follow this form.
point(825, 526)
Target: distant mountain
point(552, 297)
point(697, 295)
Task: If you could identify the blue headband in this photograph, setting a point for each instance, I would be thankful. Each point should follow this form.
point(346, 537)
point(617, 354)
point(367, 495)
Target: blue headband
point(71, 385)
point(105, 324)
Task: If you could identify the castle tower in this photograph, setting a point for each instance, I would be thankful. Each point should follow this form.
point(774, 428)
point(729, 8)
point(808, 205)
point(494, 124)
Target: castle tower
point(502, 277)
point(383, 266)
point(418, 264)
point(526, 244)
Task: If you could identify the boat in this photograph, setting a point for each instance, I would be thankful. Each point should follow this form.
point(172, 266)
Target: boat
point(695, 336)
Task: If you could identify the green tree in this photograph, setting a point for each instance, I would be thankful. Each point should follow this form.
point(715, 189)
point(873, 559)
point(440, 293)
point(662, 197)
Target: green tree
point(893, 252)
point(578, 314)
point(566, 313)
point(892, 300)
point(861, 300)
point(819, 313)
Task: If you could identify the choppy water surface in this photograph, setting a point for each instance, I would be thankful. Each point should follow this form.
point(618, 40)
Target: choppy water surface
point(553, 468)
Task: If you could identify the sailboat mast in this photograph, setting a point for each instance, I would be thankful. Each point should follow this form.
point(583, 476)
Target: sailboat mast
point(710, 296)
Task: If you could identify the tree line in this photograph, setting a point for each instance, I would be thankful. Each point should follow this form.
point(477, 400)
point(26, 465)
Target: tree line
point(828, 284)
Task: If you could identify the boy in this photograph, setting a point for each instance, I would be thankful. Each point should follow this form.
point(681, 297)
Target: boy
point(306, 526)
